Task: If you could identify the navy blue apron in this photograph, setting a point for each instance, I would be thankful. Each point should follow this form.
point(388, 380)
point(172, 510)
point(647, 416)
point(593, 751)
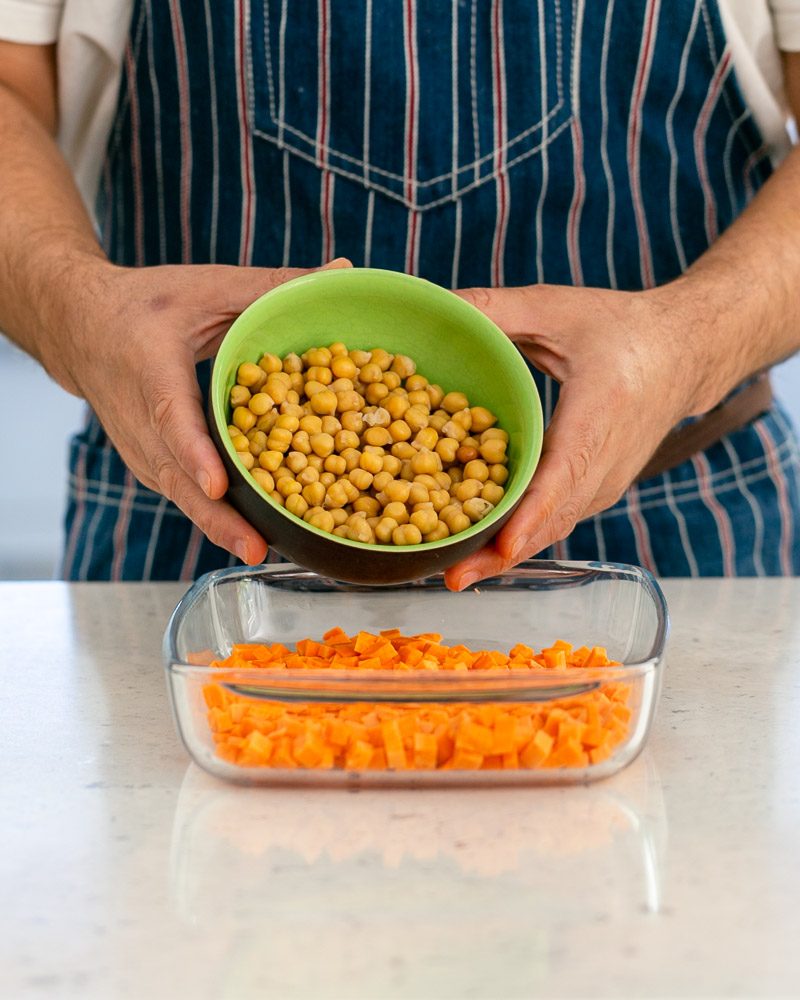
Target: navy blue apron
point(483, 143)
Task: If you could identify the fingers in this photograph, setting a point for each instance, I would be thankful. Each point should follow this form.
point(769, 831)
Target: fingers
point(480, 566)
point(172, 398)
point(514, 310)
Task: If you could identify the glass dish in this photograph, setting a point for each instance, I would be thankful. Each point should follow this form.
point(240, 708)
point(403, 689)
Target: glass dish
point(615, 606)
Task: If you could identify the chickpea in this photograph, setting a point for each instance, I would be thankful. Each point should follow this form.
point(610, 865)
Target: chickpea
point(456, 475)
point(454, 401)
point(270, 363)
point(240, 442)
point(320, 356)
point(493, 451)
point(376, 392)
point(359, 531)
point(311, 424)
point(477, 508)
point(352, 420)
point(317, 373)
point(438, 419)
point(399, 430)
point(295, 388)
point(279, 500)
point(416, 382)
point(406, 472)
point(339, 515)
point(428, 481)
point(343, 367)
point(397, 490)
point(322, 520)
point(335, 496)
point(425, 463)
point(337, 349)
point(280, 439)
point(380, 479)
point(453, 430)
point(258, 442)
point(240, 396)
point(327, 479)
point(384, 529)
point(360, 358)
point(396, 405)
point(396, 510)
point(314, 494)
point(289, 409)
point(352, 458)
point(321, 444)
point(494, 433)
point(286, 485)
point(264, 480)
point(312, 387)
point(335, 464)
point(377, 436)
point(381, 358)
point(371, 462)
point(267, 422)
point(498, 474)
point(416, 417)
point(330, 425)
point(391, 464)
point(361, 479)
point(391, 380)
point(316, 462)
point(367, 505)
point(406, 534)
point(302, 443)
point(403, 365)
point(476, 470)
point(464, 418)
point(439, 532)
point(466, 454)
point(425, 520)
point(447, 450)
point(324, 402)
point(468, 489)
point(292, 363)
point(250, 375)
point(342, 385)
point(244, 419)
point(443, 480)
point(307, 476)
point(288, 422)
point(341, 531)
point(421, 399)
point(435, 395)
point(349, 400)
point(403, 451)
point(418, 494)
point(271, 459)
point(276, 388)
point(296, 504)
point(440, 499)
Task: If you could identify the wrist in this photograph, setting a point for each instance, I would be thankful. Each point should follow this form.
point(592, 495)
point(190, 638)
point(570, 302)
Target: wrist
point(74, 298)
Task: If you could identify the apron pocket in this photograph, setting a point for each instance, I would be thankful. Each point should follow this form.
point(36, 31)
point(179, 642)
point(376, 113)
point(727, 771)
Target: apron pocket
point(422, 102)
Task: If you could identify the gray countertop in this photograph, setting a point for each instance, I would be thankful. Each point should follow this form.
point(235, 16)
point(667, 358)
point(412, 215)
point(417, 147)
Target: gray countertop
point(127, 872)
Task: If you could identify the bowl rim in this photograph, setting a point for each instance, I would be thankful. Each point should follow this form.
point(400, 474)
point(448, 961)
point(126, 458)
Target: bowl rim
point(524, 471)
point(301, 685)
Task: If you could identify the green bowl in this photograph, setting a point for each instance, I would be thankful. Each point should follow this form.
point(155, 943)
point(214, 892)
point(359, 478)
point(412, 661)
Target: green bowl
point(452, 343)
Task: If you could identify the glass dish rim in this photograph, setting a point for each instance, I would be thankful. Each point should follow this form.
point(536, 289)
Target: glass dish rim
point(303, 685)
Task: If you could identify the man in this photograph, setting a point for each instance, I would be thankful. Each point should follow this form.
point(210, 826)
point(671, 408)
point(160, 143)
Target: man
point(591, 174)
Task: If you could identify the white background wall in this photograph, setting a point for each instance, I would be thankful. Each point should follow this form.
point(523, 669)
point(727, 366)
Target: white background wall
point(37, 420)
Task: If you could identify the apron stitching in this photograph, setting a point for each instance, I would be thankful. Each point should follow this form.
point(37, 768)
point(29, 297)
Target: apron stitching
point(329, 151)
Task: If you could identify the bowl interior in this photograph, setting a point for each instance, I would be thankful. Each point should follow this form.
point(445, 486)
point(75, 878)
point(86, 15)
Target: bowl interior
point(452, 343)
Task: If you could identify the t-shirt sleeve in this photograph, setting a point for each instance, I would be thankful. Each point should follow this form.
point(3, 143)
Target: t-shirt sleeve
point(786, 17)
point(33, 22)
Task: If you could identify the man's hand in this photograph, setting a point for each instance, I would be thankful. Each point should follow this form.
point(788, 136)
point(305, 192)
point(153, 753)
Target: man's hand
point(129, 346)
point(628, 373)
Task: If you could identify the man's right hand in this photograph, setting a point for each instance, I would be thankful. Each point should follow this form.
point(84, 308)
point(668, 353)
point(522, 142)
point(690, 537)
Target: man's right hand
point(129, 346)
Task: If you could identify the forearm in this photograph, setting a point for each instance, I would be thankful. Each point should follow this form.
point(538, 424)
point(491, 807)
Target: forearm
point(47, 242)
point(741, 300)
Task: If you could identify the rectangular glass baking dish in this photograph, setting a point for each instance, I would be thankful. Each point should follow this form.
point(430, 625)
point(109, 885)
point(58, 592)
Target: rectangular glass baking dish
point(616, 606)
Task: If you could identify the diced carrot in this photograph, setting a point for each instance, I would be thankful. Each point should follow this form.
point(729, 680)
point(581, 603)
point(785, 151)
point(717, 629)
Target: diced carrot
point(571, 732)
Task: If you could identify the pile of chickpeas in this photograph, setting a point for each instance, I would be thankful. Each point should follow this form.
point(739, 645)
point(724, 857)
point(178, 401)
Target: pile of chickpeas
point(358, 444)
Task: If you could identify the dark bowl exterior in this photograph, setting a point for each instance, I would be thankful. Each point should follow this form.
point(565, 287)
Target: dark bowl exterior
point(368, 566)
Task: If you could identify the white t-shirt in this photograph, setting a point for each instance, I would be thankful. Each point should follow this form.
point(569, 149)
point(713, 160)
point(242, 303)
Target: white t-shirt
point(91, 36)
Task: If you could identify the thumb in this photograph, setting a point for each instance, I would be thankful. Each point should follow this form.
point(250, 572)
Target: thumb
point(246, 284)
point(519, 311)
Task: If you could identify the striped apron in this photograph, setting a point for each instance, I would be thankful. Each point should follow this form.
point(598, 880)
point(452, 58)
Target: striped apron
point(474, 143)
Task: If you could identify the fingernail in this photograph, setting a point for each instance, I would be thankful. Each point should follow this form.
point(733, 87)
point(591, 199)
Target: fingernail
point(204, 482)
point(468, 579)
point(241, 550)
